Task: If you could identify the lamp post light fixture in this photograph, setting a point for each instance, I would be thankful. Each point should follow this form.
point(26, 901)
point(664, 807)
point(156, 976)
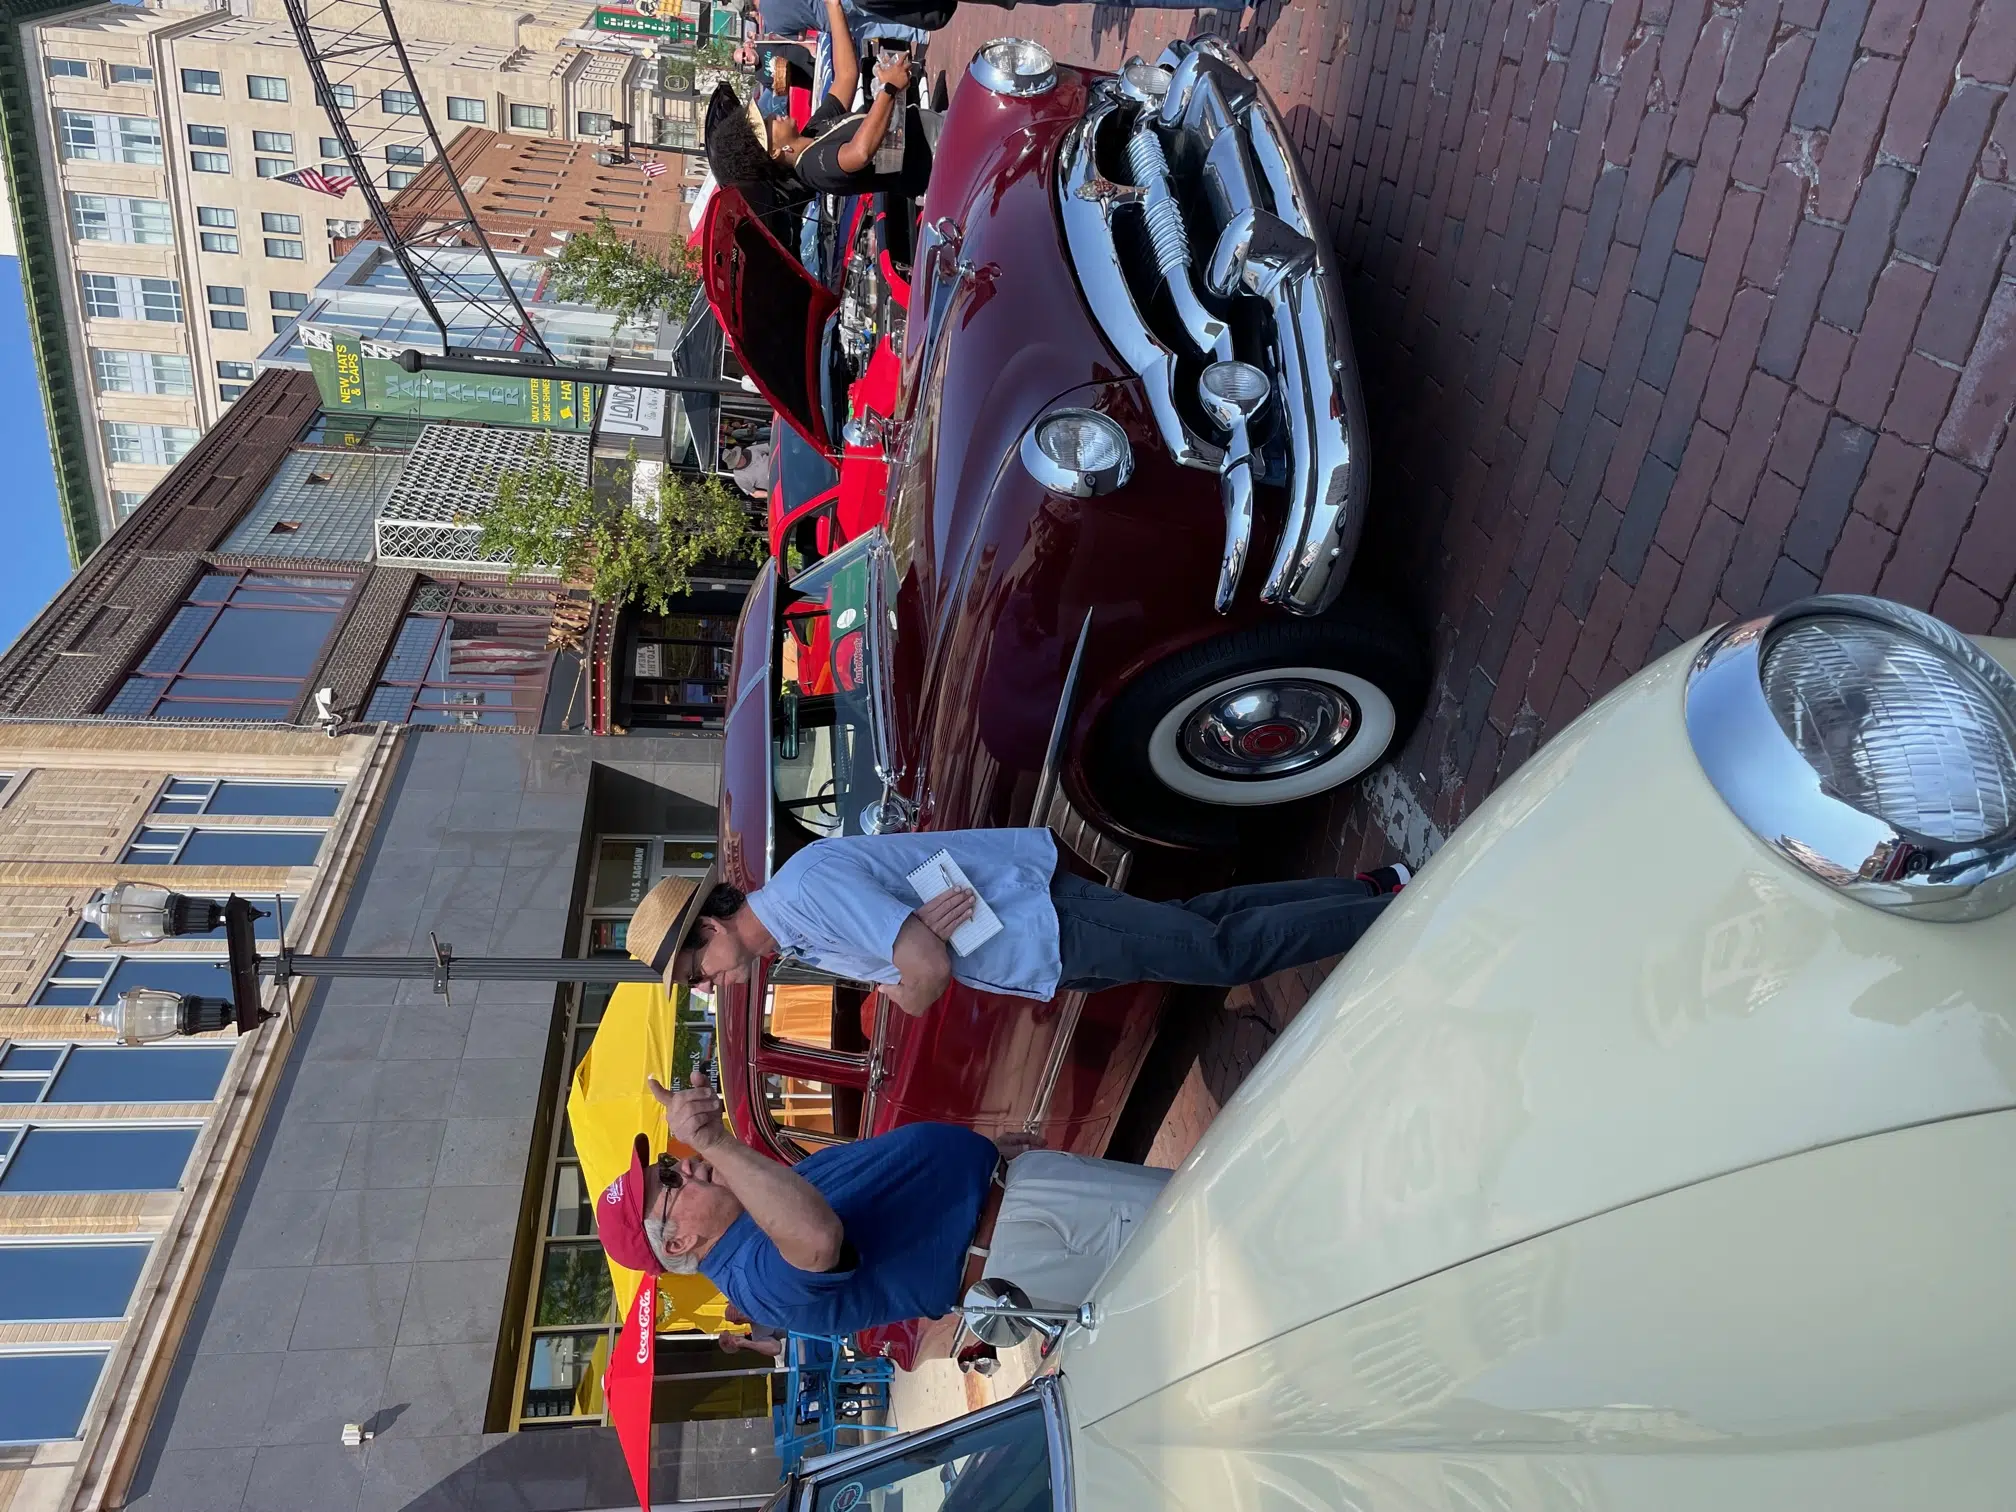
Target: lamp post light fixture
point(138, 913)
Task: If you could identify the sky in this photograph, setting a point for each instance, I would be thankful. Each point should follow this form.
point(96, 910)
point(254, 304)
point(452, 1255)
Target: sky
point(34, 563)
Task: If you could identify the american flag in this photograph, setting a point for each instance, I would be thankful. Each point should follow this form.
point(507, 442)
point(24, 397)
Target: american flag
point(321, 183)
point(654, 169)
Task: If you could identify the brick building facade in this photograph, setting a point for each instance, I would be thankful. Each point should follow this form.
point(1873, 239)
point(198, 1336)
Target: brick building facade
point(528, 194)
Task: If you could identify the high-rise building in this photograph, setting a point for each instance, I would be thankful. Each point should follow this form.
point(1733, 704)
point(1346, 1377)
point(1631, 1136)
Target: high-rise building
point(169, 253)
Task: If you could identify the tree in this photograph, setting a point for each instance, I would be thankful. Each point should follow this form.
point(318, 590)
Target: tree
point(547, 519)
point(598, 267)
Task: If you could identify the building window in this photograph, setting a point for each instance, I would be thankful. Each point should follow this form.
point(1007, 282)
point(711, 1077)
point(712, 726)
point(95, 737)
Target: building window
point(148, 445)
point(142, 372)
point(468, 654)
point(409, 156)
point(81, 1158)
point(236, 799)
point(330, 148)
point(230, 393)
point(93, 138)
point(398, 102)
point(280, 246)
point(45, 1396)
point(344, 95)
point(272, 141)
point(120, 296)
point(462, 108)
point(381, 433)
point(117, 1073)
point(240, 372)
point(239, 647)
point(68, 1283)
point(531, 118)
point(228, 320)
point(592, 123)
point(202, 81)
point(265, 87)
point(126, 500)
point(399, 178)
point(224, 294)
point(68, 68)
point(285, 299)
point(115, 218)
point(282, 324)
point(210, 162)
point(207, 136)
point(132, 73)
point(225, 847)
point(218, 241)
point(282, 225)
point(273, 167)
point(213, 215)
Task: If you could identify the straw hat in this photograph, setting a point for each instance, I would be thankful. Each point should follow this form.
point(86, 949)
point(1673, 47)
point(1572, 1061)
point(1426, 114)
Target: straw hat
point(665, 918)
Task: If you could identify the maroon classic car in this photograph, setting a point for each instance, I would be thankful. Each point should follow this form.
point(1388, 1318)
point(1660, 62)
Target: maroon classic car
point(1126, 369)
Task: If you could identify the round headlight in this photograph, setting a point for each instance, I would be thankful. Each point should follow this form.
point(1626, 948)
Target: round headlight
point(1013, 66)
point(1894, 727)
point(1078, 452)
point(1144, 81)
point(1870, 745)
point(1233, 391)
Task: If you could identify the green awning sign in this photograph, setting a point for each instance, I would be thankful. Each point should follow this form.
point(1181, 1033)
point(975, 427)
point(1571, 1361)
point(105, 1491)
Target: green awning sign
point(360, 377)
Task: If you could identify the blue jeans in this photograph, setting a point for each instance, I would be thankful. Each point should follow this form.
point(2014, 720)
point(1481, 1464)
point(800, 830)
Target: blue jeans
point(1220, 939)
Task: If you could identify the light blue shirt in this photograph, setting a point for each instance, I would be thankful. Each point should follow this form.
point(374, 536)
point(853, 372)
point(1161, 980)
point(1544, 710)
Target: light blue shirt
point(838, 905)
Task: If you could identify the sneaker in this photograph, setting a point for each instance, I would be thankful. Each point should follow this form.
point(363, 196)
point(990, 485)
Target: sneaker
point(1388, 879)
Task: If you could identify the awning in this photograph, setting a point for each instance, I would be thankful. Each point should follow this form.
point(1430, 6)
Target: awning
point(608, 1105)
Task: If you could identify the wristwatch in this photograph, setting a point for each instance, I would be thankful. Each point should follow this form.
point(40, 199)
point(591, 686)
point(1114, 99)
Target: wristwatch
point(891, 91)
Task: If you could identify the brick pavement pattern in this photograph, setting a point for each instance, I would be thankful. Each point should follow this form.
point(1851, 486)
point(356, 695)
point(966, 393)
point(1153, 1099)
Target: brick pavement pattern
point(1668, 311)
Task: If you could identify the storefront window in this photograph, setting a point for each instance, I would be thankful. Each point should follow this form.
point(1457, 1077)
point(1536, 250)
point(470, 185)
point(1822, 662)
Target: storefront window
point(470, 654)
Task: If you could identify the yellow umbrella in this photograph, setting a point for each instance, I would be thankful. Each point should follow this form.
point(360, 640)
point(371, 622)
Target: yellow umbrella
point(608, 1106)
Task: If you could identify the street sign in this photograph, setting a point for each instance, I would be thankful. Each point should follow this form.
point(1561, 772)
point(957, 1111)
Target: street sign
point(360, 377)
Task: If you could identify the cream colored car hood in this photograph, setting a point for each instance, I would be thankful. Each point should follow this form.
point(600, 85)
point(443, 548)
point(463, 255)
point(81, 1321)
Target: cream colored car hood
point(1603, 989)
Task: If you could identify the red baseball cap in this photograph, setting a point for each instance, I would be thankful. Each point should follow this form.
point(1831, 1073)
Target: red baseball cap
point(619, 1216)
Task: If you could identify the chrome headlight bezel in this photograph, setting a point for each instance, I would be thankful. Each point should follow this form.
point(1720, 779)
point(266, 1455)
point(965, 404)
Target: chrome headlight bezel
point(1072, 482)
point(1780, 797)
point(1004, 66)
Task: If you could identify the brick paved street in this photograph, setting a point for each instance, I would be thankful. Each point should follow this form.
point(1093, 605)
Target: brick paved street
point(1668, 311)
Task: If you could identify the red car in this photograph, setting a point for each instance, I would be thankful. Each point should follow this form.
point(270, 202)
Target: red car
point(1127, 368)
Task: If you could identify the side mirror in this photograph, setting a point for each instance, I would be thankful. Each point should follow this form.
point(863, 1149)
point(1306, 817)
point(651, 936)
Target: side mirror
point(998, 1312)
point(992, 1306)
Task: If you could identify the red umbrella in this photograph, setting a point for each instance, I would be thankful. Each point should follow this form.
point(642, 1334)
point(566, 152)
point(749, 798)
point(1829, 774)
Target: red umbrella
point(626, 1387)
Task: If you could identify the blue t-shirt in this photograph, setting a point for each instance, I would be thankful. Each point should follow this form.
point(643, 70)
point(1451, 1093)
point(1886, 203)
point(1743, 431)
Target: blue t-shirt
point(907, 1201)
point(839, 903)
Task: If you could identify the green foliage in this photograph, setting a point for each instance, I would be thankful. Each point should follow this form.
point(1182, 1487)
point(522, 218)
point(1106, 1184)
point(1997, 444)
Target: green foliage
point(545, 519)
point(598, 267)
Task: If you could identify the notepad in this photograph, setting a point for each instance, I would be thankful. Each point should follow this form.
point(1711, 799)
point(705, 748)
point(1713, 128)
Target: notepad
point(941, 874)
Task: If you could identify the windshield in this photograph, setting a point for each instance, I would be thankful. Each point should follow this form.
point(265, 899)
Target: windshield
point(1001, 1464)
point(824, 757)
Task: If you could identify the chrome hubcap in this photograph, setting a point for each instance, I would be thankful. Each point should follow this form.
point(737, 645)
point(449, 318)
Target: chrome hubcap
point(1268, 730)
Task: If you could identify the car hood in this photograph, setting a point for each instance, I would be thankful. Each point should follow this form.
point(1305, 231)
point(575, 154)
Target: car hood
point(747, 818)
point(1603, 988)
point(773, 311)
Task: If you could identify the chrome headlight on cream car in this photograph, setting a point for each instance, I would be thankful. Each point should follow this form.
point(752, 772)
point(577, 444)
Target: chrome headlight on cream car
point(1871, 745)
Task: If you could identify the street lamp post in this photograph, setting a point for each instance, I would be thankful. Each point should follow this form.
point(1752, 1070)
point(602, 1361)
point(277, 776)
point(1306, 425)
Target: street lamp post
point(138, 913)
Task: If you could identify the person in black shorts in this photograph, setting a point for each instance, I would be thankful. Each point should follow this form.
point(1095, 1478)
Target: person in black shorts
point(835, 153)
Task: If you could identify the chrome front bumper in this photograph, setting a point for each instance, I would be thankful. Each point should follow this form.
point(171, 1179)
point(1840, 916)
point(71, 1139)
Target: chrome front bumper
point(1232, 233)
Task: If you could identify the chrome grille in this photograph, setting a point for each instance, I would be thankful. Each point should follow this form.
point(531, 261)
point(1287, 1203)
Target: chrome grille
point(1191, 230)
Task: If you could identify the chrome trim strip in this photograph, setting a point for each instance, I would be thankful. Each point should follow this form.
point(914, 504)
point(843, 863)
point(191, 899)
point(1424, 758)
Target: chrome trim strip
point(1063, 1485)
point(1060, 726)
point(1235, 487)
point(1747, 757)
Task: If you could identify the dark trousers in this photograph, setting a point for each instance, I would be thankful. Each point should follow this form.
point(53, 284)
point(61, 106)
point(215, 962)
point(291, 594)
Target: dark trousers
point(1219, 939)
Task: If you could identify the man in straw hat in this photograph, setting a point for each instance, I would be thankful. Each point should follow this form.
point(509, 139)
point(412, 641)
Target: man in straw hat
point(846, 905)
